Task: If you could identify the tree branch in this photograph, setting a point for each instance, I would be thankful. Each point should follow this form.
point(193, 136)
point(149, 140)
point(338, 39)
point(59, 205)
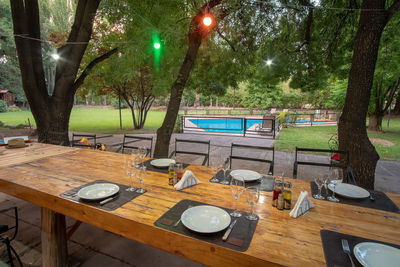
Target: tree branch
point(90, 66)
point(393, 9)
point(226, 39)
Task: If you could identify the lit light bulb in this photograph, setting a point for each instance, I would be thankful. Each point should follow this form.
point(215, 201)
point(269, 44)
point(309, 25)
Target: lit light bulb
point(55, 56)
point(269, 62)
point(157, 45)
point(207, 20)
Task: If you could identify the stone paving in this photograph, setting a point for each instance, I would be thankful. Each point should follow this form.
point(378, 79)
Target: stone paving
point(90, 246)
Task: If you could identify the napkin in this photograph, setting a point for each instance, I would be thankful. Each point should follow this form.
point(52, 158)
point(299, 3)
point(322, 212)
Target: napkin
point(188, 179)
point(303, 204)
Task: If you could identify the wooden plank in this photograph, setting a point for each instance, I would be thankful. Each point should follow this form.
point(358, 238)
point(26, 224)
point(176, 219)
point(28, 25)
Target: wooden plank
point(54, 241)
point(278, 240)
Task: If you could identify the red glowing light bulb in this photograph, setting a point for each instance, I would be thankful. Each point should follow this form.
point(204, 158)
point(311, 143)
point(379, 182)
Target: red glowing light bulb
point(207, 20)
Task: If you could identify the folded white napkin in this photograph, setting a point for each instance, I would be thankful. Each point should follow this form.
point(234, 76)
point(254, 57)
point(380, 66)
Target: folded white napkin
point(188, 179)
point(303, 204)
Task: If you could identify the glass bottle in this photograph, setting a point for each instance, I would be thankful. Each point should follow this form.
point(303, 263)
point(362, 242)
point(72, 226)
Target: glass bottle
point(277, 191)
point(171, 173)
point(287, 195)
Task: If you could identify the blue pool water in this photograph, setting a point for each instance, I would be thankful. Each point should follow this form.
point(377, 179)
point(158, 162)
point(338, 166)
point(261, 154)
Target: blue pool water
point(226, 125)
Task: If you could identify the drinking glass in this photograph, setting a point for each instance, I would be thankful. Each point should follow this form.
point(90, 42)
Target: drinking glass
point(142, 153)
point(237, 188)
point(225, 167)
point(334, 179)
point(215, 164)
point(252, 196)
point(179, 170)
point(319, 182)
point(140, 175)
point(130, 171)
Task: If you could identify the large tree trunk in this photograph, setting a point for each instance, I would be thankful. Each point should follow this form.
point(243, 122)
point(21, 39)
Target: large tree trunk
point(196, 33)
point(352, 124)
point(52, 112)
point(396, 109)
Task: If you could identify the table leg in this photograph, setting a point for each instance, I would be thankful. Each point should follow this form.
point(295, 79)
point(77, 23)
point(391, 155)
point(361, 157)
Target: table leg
point(54, 240)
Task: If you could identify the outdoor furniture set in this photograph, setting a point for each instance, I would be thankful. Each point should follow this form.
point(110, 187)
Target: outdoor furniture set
point(178, 221)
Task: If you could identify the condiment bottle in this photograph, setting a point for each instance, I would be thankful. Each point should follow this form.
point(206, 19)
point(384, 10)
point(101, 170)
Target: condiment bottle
point(175, 180)
point(277, 191)
point(280, 204)
point(171, 173)
point(179, 170)
point(287, 195)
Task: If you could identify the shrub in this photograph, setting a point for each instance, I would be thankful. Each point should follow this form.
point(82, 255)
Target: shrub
point(3, 106)
point(1, 123)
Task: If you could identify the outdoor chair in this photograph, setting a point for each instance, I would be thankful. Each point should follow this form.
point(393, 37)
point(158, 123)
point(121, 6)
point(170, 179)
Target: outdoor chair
point(130, 142)
point(342, 164)
point(236, 147)
point(205, 144)
point(7, 241)
point(90, 140)
point(267, 125)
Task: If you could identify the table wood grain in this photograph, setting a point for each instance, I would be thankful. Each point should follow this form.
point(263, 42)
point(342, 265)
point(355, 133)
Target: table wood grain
point(278, 240)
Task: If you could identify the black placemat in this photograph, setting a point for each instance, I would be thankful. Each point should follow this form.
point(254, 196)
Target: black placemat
point(381, 202)
point(162, 170)
point(333, 251)
point(265, 183)
point(239, 239)
point(120, 199)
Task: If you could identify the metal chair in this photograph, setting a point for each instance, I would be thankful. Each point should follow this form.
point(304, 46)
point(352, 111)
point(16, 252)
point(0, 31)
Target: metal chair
point(239, 146)
point(77, 142)
point(129, 139)
point(6, 240)
point(187, 152)
point(343, 163)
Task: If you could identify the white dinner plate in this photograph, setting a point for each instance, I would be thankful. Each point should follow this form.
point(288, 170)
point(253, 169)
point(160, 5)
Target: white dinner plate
point(162, 163)
point(205, 219)
point(371, 254)
point(98, 191)
point(349, 190)
point(247, 175)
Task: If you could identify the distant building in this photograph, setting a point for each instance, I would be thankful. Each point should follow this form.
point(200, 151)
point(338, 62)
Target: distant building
point(7, 96)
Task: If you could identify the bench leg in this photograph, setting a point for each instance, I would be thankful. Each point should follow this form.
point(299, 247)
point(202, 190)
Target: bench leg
point(54, 239)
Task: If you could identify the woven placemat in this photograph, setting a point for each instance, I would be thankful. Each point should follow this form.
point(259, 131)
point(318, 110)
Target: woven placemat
point(150, 167)
point(333, 251)
point(120, 199)
point(265, 183)
point(239, 239)
point(381, 202)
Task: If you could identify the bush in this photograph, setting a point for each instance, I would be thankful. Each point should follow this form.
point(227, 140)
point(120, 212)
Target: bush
point(14, 109)
point(3, 106)
point(1, 123)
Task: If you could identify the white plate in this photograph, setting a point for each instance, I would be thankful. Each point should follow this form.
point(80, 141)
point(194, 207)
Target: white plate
point(247, 175)
point(349, 190)
point(206, 219)
point(371, 254)
point(98, 191)
point(162, 163)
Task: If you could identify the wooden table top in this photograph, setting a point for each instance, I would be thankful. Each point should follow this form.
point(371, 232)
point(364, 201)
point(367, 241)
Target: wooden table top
point(42, 172)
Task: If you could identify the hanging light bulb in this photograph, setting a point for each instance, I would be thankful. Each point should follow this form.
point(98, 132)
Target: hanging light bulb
point(207, 20)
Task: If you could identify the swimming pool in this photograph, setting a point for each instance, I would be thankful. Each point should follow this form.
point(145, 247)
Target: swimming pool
point(225, 125)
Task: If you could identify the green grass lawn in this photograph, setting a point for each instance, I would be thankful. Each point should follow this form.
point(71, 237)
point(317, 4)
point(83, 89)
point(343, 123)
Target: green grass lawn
point(94, 120)
point(318, 136)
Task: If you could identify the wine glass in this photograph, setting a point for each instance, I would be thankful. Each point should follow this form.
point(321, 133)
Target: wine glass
point(334, 179)
point(319, 182)
point(252, 196)
point(140, 175)
point(237, 188)
point(215, 164)
point(142, 153)
point(225, 167)
point(129, 170)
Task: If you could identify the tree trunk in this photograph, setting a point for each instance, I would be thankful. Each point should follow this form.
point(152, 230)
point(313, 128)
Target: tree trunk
point(352, 130)
point(375, 122)
point(396, 109)
point(196, 33)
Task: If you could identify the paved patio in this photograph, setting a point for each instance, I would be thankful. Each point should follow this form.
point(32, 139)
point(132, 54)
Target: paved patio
point(90, 246)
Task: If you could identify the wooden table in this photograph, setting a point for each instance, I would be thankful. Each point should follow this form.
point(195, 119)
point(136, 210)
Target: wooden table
point(40, 173)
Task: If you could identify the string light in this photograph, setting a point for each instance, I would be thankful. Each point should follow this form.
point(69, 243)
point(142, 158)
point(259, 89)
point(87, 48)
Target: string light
point(207, 20)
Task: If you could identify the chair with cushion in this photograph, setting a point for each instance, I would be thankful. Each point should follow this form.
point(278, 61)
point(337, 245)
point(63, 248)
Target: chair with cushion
point(7, 241)
point(179, 143)
point(342, 164)
point(135, 142)
point(238, 148)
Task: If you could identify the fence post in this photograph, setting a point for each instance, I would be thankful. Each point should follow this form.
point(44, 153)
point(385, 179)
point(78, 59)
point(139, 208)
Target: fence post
point(245, 126)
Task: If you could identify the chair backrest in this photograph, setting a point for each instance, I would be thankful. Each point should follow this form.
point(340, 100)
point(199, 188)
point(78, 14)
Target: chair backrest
point(91, 138)
point(342, 164)
point(268, 121)
point(260, 148)
point(179, 150)
point(130, 142)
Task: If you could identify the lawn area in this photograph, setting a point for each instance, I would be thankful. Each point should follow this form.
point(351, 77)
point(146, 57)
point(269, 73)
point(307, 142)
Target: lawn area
point(94, 120)
point(318, 136)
